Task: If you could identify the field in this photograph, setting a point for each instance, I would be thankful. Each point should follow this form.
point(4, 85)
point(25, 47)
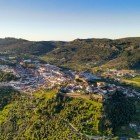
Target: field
point(133, 81)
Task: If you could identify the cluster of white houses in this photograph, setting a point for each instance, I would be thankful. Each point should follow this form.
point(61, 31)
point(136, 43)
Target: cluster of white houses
point(88, 83)
point(116, 74)
point(49, 76)
point(46, 76)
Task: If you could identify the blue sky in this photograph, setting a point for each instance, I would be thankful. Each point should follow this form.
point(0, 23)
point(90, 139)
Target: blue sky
point(69, 19)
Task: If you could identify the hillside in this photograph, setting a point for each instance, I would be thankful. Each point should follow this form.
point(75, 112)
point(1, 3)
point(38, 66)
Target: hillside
point(80, 53)
point(89, 53)
point(20, 46)
point(49, 115)
point(46, 116)
point(7, 96)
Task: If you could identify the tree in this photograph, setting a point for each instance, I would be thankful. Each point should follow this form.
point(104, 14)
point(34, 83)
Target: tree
point(119, 110)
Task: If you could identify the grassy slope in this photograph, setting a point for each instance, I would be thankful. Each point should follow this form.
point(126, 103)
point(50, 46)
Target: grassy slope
point(133, 81)
point(46, 116)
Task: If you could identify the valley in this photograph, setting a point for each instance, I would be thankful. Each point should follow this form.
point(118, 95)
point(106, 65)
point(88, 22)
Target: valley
point(68, 90)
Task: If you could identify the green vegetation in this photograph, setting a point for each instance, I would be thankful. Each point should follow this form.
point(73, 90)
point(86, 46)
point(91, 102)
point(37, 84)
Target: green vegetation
point(133, 81)
point(126, 130)
point(119, 111)
point(4, 76)
point(83, 54)
point(137, 115)
point(20, 46)
point(7, 95)
point(79, 54)
point(47, 115)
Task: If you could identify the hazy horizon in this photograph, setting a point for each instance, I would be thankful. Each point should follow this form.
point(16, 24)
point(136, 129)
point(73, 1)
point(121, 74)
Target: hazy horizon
point(68, 20)
point(72, 39)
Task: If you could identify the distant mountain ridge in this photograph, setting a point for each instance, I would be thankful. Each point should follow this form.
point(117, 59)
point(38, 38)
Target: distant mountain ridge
point(80, 53)
point(119, 53)
point(17, 46)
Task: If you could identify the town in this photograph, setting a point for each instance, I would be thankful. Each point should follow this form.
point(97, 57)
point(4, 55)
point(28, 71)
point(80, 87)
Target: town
point(33, 75)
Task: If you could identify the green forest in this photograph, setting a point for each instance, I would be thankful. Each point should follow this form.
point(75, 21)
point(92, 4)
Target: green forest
point(49, 115)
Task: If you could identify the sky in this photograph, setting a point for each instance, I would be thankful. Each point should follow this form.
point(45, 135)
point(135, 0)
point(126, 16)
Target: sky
point(69, 19)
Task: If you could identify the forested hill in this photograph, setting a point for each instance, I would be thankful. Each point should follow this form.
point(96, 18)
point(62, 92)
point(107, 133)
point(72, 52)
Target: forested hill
point(89, 53)
point(80, 53)
point(17, 46)
point(48, 115)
